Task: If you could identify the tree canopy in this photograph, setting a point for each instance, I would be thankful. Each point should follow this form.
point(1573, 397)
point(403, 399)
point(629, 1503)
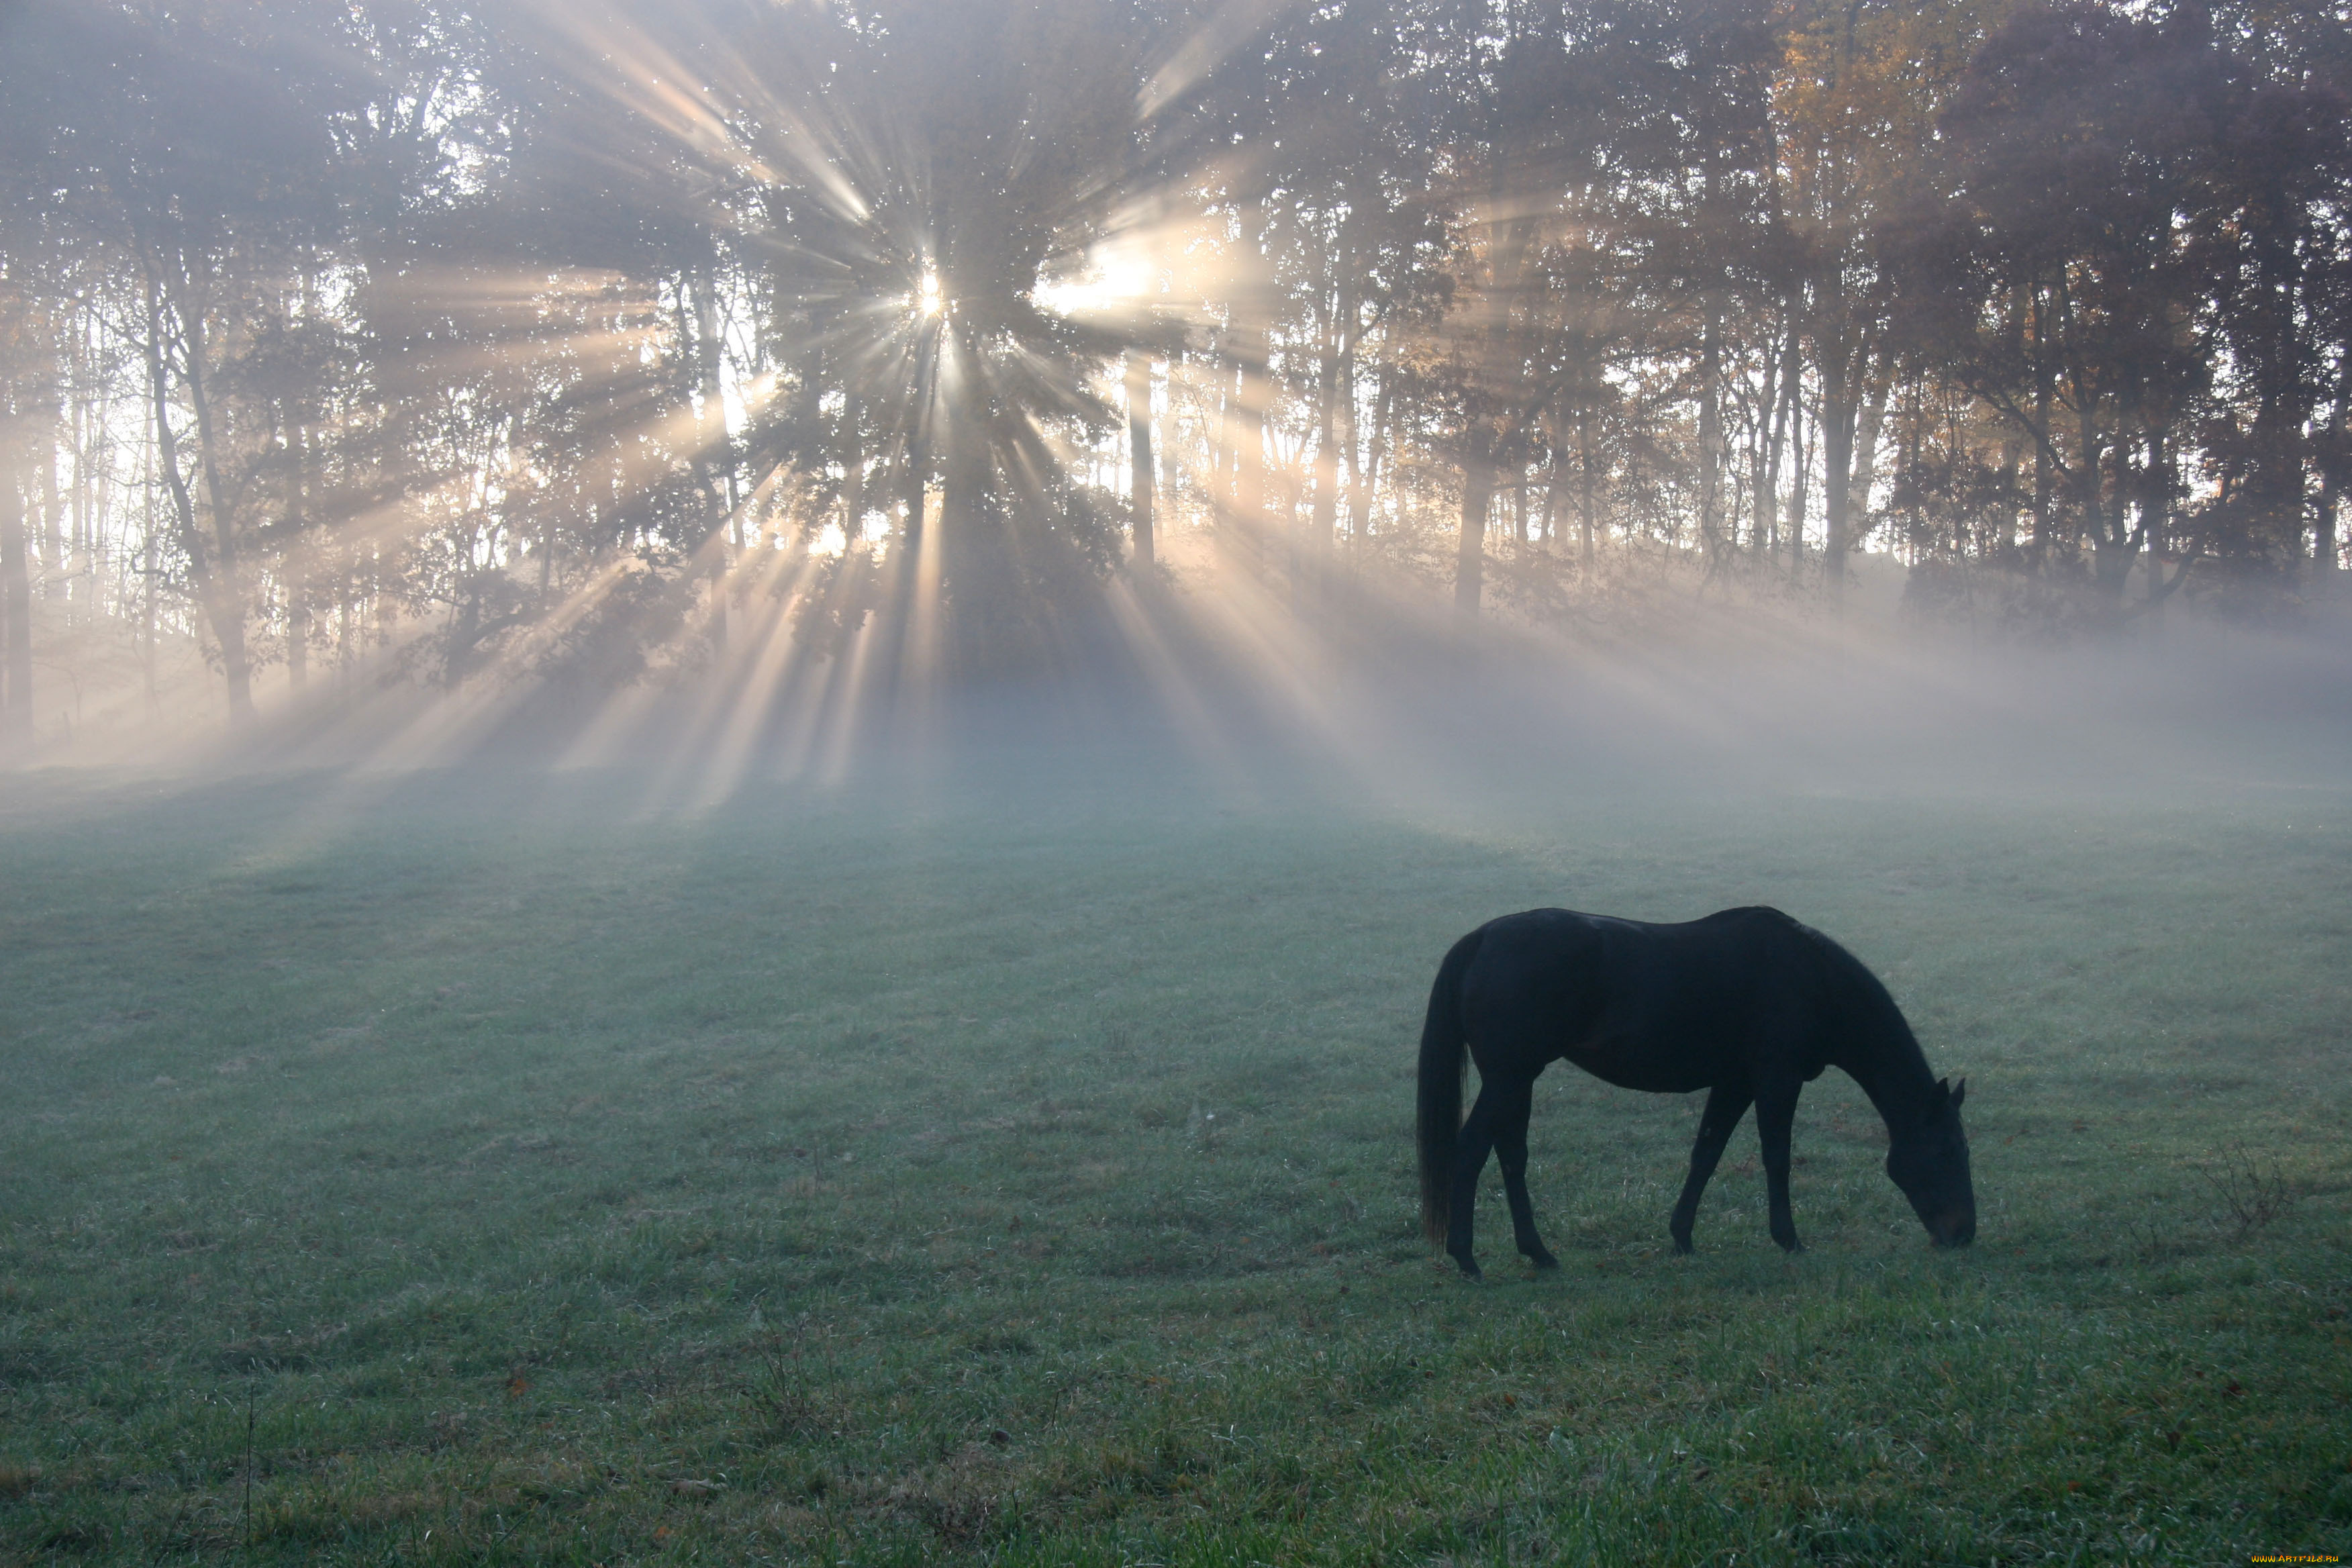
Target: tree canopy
point(460, 341)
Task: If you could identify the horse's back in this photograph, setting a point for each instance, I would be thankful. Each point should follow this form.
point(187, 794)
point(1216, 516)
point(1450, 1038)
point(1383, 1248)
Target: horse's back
point(1666, 1007)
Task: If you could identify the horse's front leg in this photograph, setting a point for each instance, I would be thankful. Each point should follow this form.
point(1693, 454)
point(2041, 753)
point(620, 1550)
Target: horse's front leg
point(1725, 1104)
point(1471, 1146)
point(1775, 1113)
point(1511, 1152)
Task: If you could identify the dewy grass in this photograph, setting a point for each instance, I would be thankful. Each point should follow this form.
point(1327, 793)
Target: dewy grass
point(893, 1179)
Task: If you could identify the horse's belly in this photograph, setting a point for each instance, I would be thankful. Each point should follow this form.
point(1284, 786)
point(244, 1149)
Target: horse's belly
point(1651, 1071)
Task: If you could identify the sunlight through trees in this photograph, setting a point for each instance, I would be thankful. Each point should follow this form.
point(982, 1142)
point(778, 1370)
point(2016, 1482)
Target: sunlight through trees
point(547, 348)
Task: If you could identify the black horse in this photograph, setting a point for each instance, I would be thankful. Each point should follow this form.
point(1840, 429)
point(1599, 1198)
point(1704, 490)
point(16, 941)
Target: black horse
point(1747, 1004)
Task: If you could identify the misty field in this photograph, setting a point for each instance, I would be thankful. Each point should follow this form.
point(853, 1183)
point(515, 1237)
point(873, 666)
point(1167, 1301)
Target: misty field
point(476, 1170)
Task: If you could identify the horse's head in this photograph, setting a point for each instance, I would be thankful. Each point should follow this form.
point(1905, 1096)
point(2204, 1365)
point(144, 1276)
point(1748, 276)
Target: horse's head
point(1929, 1160)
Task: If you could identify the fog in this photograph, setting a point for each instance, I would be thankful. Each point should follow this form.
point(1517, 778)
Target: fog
point(1377, 703)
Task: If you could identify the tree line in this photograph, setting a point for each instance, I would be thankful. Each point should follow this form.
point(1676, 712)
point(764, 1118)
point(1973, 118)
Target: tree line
point(451, 336)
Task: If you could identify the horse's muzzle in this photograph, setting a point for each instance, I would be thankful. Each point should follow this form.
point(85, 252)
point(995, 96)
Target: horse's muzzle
point(1954, 1230)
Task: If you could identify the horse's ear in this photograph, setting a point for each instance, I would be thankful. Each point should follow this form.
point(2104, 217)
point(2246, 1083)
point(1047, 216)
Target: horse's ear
point(1944, 1087)
point(1960, 1093)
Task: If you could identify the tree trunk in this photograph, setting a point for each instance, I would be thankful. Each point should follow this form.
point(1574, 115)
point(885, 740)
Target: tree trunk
point(2117, 548)
point(853, 468)
point(1711, 436)
point(1585, 459)
point(1478, 491)
point(964, 523)
point(1837, 491)
point(212, 572)
point(1324, 517)
point(55, 566)
point(1250, 345)
point(81, 479)
point(1800, 484)
point(2274, 481)
point(2088, 524)
point(1345, 407)
point(2325, 548)
point(2044, 479)
point(1551, 482)
point(1221, 441)
point(2006, 538)
point(1365, 497)
point(294, 563)
point(1867, 435)
point(147, 563)
point(1764, 476)
point(1249, 449)
point(716, 454)
point(147, 574)
point(1142, 477)
point(913, 483)
point(1840, 411)
point(15, 599)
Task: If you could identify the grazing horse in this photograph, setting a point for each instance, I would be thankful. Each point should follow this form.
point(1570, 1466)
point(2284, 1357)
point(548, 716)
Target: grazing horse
point(1748, 1005)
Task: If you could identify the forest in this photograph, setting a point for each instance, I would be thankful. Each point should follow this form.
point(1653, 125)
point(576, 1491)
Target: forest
point(506, 343)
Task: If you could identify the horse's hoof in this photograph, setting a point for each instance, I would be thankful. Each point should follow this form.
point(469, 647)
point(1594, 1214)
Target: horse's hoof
point(1542, 1260)
point(1470, 1270)
point(1683, 1246)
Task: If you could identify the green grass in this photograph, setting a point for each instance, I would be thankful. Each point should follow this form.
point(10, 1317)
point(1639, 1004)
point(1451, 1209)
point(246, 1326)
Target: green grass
point(898, 1177)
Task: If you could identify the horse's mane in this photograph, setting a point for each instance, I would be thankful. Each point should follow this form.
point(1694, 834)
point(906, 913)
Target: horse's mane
point(1875, 1028)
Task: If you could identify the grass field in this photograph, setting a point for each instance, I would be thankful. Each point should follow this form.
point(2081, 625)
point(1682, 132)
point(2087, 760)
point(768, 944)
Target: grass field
point(491, 1173)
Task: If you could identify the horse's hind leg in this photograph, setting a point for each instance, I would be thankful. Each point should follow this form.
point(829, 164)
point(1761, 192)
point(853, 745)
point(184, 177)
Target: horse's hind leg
point(1511, 1151)
point(1775, 1113)
point(1725, 1104)
point(1471, 1146)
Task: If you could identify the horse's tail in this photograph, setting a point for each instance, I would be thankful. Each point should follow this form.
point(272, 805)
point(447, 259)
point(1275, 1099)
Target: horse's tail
point(1445, 1062)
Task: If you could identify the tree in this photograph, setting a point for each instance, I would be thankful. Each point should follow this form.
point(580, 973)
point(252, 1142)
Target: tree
point(930, 171)
point(1856, 100)
point(2061, 294)
point(2273, 230)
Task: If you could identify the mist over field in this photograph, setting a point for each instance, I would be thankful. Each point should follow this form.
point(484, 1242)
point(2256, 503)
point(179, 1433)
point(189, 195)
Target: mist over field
point(1402, 712)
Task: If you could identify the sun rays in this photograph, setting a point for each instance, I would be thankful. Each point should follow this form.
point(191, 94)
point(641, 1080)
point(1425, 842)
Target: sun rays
point(738, 494)
point(791, 379)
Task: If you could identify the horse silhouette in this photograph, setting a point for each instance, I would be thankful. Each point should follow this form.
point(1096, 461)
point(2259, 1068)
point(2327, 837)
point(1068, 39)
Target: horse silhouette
point(1747, 1004)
